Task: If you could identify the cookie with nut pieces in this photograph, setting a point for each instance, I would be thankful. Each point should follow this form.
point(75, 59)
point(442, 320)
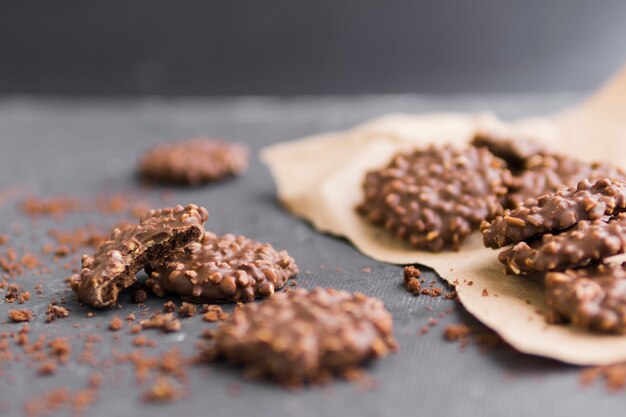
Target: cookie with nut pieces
point(114, 266)
point(545, 174)
point(433, 198)
point(305, 336)
point(194, 161)
point(554, 212)
point(222, 269)
point(588, 241)
point(593, 297)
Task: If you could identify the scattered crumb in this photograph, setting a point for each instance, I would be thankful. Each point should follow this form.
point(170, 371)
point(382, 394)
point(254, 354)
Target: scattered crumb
point(169, 306)
point(413, 285)
point(166, 322)
point(213, 313)
point(116, 324)
point(140, 296)
point(54, 312)
point(451, 295)
point(485, 292)
point(15, 293)
point(455, 332)
point(162, 391)
point(47, 368)
point(187, 310)
point(411, 272)
point(19, 316)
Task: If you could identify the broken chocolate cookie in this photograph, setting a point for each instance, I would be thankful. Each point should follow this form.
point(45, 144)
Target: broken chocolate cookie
point(222, 268)
point(194, 161)
point(586, 242)
point(555, 212)
point(593, 297)
point(114, 266)
point(305, 336)
point(433, 198)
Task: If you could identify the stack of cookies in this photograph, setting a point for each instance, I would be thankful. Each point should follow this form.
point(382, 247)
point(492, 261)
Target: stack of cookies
point(562, 215)
point(295, 337)
point(568, 235)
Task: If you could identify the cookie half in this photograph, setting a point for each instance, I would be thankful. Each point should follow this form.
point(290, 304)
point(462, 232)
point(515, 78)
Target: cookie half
point(305, 336)
point(194, 161)
point(222, 269)
point(433, 198)
point(586, 242)
point(592, 298)
point(114, 266)
point(554, 212)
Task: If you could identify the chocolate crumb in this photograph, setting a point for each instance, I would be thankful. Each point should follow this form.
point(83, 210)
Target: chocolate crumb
point(15, 293)
point(414, 287)
point(485, 292)
point(454, 332)
point(116, 324)
point(54, 312)
point(47, 368)
point(166, 322)
point(187, 310)
point(140, 296)
point(19, 316)
point(411, 272)
point(163, 391)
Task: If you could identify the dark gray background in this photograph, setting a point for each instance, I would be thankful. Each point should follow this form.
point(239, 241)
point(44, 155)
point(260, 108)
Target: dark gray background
point(287, 47)
point(80, 148)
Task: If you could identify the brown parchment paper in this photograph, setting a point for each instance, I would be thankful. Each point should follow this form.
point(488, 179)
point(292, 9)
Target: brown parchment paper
point(319, 179)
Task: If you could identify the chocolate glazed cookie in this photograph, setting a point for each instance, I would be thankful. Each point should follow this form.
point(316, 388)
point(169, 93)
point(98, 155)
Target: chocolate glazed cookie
point(434, 198)
point(555, 212)
point(545, 174)
point(592, 297)
point(586, 242)
point(221, 269)
point(194, 161)
point(114, 266)
point(305, 336)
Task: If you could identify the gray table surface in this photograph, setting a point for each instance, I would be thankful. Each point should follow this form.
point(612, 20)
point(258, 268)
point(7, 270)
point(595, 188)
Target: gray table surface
point(79, 148)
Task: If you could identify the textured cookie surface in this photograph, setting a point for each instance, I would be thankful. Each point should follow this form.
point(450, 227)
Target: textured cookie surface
point(586, 242)
point(305, 335)
point(194, 161)
point(222, 268)
point(554, 212)
point(433, 198)
point(592, 298)
point(114, 266)
point(545, 174)
point(514, 149)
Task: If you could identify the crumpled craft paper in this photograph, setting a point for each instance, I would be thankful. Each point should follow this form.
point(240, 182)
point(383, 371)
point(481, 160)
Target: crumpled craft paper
point(319, 179)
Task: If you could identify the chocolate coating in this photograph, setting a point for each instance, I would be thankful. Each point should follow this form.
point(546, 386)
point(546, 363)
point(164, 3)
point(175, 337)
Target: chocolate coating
point(586, 242)
point(513, 148)
point(434, 197)
point(223, 268)
point(545, 174)
point(194, 161)
point(305, 335)
point(554, 212)
point(116, 262)
point(592, 297)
